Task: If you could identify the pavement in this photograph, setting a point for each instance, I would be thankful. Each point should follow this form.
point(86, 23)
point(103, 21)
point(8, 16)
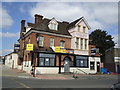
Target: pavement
point(14, 78)
point(6, 71)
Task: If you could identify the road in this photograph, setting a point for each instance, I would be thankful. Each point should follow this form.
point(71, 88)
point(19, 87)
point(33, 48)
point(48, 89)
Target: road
point(11, 80)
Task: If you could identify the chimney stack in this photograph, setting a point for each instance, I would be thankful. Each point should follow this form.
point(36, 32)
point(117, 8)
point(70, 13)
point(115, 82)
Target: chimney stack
point(38, 18)
point(23, 26)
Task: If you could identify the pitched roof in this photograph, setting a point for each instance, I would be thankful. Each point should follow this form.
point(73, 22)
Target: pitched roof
point(72, 24)
point(30, 24)
point(43, 26)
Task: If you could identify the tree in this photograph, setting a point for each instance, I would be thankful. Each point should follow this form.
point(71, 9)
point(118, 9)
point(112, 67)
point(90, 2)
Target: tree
point(102, 40)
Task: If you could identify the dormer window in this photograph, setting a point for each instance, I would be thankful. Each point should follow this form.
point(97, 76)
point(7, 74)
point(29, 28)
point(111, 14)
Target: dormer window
point(53, 26)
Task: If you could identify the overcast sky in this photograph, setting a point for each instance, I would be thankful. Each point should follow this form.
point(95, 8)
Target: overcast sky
point(102, 15)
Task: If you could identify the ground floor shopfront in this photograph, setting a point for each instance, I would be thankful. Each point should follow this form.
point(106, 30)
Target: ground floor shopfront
point(54, 63)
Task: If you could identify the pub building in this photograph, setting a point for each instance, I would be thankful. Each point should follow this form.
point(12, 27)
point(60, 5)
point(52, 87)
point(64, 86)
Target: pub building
point(58, 47)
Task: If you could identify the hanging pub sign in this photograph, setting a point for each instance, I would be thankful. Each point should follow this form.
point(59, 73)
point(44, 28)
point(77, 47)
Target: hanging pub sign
point(29, 47)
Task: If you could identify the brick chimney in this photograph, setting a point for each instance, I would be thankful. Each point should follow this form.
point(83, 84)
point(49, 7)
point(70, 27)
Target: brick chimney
point(23, 26)
point(38, 18)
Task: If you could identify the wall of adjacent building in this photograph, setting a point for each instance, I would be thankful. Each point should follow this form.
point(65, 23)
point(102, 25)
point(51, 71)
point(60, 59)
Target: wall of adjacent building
point(79, 34)
point(11, 60)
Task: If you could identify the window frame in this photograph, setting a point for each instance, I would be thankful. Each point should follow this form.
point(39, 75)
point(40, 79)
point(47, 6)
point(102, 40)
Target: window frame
point(78, 62)
point(50, 60)
point(53, 26)
point(81, 43)
point(85, 44)
point(84, 29)
point(79, 27)
point(51, 42)
point(40, 42)
point(77, 43)
point(92, 67)
point(63, 43)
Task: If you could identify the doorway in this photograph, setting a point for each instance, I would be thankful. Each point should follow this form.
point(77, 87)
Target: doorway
point(118, 69)
point(98, 66)
point(67, 64)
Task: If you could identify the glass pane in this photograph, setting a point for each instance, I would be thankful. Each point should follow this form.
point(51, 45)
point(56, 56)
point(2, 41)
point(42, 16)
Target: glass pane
point(52, 62)
point(92, 65)
point(81, 63)
point(77, 63)
point(46, 61)
point(85, 63)
point(41, 62)
point(51, 41)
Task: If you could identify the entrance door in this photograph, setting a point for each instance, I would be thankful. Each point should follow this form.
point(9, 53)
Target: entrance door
point(98, 67)
point(118, 69)
point(66, 64)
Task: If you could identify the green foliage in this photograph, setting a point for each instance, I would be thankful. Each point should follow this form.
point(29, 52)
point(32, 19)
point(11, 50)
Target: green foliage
point(102, 40)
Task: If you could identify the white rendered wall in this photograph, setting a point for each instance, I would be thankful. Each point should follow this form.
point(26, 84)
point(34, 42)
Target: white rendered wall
point(79, 34)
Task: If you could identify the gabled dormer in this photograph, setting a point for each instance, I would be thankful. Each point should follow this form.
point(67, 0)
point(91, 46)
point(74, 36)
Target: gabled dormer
point(53, 24)
point(82, 25)
point(79, 25)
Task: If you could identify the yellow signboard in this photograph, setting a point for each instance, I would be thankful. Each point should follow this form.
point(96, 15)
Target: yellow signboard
point(60, 49)
point(29, 47)
point(57, 49)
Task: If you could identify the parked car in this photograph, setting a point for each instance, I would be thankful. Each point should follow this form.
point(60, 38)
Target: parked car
point(116, 86)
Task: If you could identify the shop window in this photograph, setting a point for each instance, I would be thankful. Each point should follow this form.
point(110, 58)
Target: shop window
point(81, 61)
point(92, 65)
point(41, 62)
point(52, 62)
point(46, 59)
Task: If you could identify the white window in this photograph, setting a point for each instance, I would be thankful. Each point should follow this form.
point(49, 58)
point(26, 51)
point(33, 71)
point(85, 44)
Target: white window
point(81, 43)
point(78, 28)
point(84, 29)
point(51, 42)
point(53, 26)
point(85, 43)
point(77, 43)
point(40, 40)
point(62, 43)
